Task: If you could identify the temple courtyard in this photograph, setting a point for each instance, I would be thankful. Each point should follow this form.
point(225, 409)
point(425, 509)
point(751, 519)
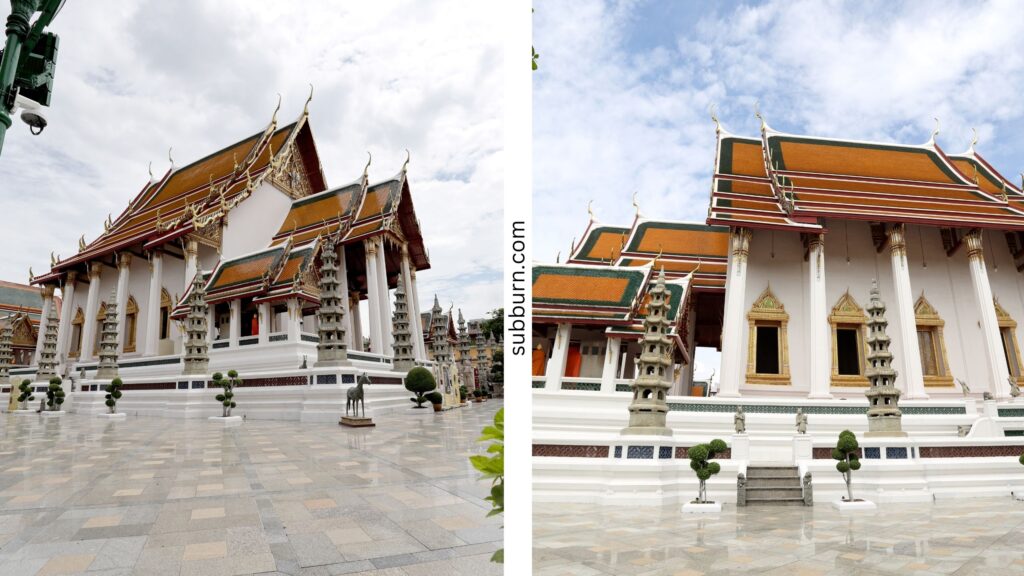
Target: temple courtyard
point(156, 496)
point(962, 537)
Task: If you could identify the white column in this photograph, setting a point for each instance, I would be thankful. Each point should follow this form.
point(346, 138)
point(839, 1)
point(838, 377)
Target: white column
point(911, 377)
point(343, 289)
point(191, 261)
point(294, 320)
point(732, 317)
point(67, 295)
point(47, 291)
point(415, 329)
point(357, 322)
point(559, 354)
point(156, 282)
point(235, 322)
point(263, 312)
point(417, 318)
point(819, 351)
point(999, 375)
point(92, 305)
point(124, 264)
point(212, 330)
point(373, 296)
point(386, 328)
point(611, 365)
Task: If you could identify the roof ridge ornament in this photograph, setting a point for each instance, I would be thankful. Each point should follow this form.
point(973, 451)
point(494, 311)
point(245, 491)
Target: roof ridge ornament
point(714, 118)
point(405, 165)
point(152, 178)
point(931, 141)
point(305, 109)
point(590, 210)
point(366, 169)
point(636, 205)
point(81, 243)
point(273, 119)
point(170, 157)
point(974, 140)
point(759, 116)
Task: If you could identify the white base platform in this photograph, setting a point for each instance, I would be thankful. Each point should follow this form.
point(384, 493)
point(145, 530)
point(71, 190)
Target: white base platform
point(1018, 493)
point(53, 414)
point(109, 416)
point(23, 412)
point(862, 505)
point(706, 508)
point(229, 421)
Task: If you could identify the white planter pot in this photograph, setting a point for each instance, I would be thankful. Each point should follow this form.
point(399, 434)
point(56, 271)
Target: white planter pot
point(860, 505)
point(229, 421)
point(109, 416)
point(706, 508)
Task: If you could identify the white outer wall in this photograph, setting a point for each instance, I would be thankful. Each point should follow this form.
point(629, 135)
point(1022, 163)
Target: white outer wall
point(945, 282)
point(255, 220)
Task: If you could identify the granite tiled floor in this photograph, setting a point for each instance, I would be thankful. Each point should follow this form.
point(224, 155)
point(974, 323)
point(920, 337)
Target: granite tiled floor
point(962, 537)
point(161, 496)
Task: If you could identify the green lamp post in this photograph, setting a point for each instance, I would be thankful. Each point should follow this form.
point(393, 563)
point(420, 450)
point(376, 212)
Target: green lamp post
point(27, 63)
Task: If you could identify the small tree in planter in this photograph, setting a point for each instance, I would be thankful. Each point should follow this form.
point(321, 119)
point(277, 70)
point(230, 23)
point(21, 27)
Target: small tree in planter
point(846, 453)
point(54, 394)
point(463, 393)
point(436, 399)
point(700, 456)
point(419, 381)
point(227, 397)
point(26, 393)
point(113, 394)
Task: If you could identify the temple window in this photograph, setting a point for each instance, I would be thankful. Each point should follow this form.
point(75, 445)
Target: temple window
point(768, 347)
point(849, 348)
point(165, 315)
point(1008, 335)
point(250, 318)
point(76, 333)
point(131, 322)
point(934, 360)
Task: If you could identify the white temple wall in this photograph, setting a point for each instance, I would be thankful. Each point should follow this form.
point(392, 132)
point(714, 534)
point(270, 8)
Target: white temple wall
point(138, 288)
point(174, 282)
point(250, 225)
point(786, 273)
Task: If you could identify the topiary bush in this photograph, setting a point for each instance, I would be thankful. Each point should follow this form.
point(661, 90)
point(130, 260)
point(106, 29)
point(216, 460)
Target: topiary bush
point(700, 456)
point(846, 452)
point(227, 397)
point(54, 394)
point(419, 381)
point(435, 398)
point(463, 393)
point(26, 393)
point(113, 394)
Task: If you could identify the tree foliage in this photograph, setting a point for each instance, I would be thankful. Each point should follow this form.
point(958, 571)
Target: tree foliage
point(227, 385)
point(493, 468)
point(498, 367)
point(54, 394)
point(700, 462)
point(113, 394)
point(847, 452)
point(495, 325)
point(419, 381)
point(26, 393)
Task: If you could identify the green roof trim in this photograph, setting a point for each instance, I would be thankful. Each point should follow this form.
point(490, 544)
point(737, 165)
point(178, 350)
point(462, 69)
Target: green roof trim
point(591, 239)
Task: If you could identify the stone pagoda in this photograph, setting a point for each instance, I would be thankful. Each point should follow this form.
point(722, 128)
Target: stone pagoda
point(6, 355)
point(196, 345)
point(883, 397)
point(482, 365)
point(648, 410)
point(331, 350)
point(48, 355)
point(107, 369)
point(405, 358)
point(439, 334)
point(465, 364)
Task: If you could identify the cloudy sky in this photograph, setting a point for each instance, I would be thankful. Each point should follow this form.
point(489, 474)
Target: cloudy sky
point(134, 79)
point(621, 98)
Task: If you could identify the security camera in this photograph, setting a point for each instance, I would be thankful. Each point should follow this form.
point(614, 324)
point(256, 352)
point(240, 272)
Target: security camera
point(33, 113)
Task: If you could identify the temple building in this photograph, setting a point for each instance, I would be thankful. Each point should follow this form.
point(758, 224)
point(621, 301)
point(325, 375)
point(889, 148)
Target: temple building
point(238, 235)
point(24, 309)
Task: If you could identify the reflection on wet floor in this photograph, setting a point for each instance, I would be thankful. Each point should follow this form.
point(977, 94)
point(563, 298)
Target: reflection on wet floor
point(963, 537)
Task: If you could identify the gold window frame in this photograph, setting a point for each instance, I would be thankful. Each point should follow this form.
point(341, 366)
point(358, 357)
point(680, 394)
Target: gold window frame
point(926, 316)
point(1006, 321)
point(79, 321)
point(847, 313)
point(131, 324)
point(767, 310)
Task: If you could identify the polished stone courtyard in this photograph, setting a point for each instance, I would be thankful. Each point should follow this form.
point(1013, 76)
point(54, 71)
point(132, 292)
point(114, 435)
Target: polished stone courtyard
point(160, 496)
point(963, 537)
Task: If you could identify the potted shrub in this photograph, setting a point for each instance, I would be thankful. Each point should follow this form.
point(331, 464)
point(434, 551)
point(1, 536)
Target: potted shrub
point(113, 394)
point(26, 393)
point(847, 453)
point(419, 381)
point(700, 462)
point(54, 395)
point(436, 399)
point(478, 395)
point(227, 397)
point(463, 394)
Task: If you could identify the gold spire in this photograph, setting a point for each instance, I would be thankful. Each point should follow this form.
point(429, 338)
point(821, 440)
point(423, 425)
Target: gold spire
point(305, 109)
point(369, 160)
point(81, 243)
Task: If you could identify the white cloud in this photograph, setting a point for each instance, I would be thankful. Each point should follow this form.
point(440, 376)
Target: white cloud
point(135, 79)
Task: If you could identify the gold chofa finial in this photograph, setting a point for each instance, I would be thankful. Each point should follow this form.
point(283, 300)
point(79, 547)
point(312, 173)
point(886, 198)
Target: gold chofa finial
point(714, 118)
point(81, 243)
point(757, 114)
point(405, 166)
point(935, 132)
point(590, 210)
point(558, 257)
point(151, 177)
point(974, 140)
point(170, 158)
point(273, 119)
point(369, 160)
point(31, 276)
point(53, 260)
point(636, 206)
point(305, 109)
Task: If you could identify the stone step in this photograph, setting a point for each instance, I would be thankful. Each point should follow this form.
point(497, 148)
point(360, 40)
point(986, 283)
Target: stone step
point(774, 493)
point(791, 482)
point(773, 472)
point(776, 502)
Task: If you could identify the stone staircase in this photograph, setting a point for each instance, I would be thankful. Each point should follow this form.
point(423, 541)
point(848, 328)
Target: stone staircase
point(774, 485)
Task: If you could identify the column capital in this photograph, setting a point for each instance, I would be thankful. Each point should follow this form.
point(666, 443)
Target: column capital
point(815, 241)
point(405, 249)
point(975, 245)
point(192, 247)
point(897, 240)
point(47, 290)
point(371, 246)
point(124, 260)
point(95, 270)
point(71, 278)
point(741, 243)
